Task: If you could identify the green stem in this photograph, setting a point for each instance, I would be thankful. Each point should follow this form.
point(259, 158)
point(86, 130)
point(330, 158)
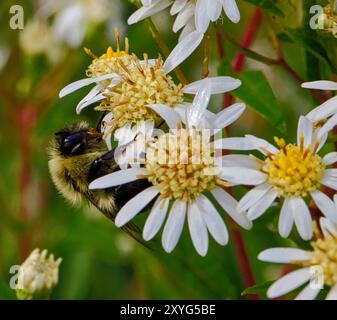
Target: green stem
point(164, 48)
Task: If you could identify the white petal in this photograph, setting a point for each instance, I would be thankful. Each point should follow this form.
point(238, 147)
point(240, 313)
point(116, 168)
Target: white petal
point(229, 204)
point(85, 82)
point(328, 227)
point(189, 28)
point(302, 218)
point(124, 134)
point(289, 282)
point(232, 160)
point(200, 104)
point(286, 220)
point(91, 94)
point(148, 11)
point(182, 109)
point(325, 205)
point(304, 129)
point(252, 196)
point(147, 2)
point(116, 178)
point(284, 255)
point(70, 24)
point(308, 293)
point(320, 85)
point(330, 182)
point(202, 20)
point(105, 128)
point(214, 11)
point(242, 144)
point(330, 158)
point(213, 220)
point(229, 115)
point(183, 50)
point(170, 116)
point(239, 175)
point(218, 85)
point(183, 17)
point(83, 105)
point(332, 295)
point(325, 110)
point(177, 6)
point(135, 205)
point(261, 144)
point(232, 10)
point(174, 226)
point(331, 173)
point(262, 205)
point(328, 126)
point(246, 143)
point(198, 230)
point(156, 218)
point(320, 138)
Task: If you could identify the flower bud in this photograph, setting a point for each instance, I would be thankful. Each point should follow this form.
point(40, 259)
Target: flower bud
point(38, 275)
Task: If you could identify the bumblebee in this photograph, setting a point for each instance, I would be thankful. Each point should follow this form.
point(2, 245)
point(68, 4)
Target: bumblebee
point(77, 157)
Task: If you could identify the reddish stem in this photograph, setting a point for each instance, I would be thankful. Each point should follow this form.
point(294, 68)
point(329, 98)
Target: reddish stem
point(250, 33)
point(243, 258)
point(238, 65)
point(25, 119)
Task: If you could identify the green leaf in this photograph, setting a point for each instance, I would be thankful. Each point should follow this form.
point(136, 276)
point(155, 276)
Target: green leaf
point(258, 95)
point(268, 5)
point(257, 289)
point(309, 42)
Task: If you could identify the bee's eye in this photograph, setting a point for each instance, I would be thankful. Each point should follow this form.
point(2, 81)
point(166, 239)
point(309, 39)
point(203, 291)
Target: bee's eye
point(73, 143)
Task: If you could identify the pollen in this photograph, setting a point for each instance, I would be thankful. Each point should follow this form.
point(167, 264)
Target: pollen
point(181, 165)
point(295, 170)
point(109, 61)
point(324, 254)
point(144, 83)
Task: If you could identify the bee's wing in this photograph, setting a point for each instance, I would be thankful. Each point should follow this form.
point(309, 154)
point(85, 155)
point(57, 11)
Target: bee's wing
point(121, 194)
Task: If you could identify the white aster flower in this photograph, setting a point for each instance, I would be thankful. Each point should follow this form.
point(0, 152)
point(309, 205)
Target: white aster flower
point(318, 267)
point(181, 169)
point(105, 72)
point(193, 17)
point(37, 38)
point(326, 112)
point(71, 18)
point(292, 172)
point(38, 275)
point(147, 92)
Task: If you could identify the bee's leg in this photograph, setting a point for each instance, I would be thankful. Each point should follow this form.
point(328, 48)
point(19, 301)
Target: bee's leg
point(102, 166)
point(125, 192)
point(122, 193)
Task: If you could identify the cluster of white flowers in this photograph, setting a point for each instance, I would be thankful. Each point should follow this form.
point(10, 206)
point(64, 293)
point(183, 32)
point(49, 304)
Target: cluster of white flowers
point(37, 276)
point(188, 169)
point(62, 24)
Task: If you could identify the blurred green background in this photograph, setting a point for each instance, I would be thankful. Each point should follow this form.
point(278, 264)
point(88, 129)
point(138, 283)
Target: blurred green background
point(99, 261)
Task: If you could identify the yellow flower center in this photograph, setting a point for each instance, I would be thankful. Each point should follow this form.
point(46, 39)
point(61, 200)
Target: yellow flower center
point(109, 62)
point(295, 170)
point(325, 255)
point(181, 165)
point(142, 85)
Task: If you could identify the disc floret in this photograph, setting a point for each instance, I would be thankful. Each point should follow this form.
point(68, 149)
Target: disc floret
point(143, 84)
point(295, 170)
point(181, 165)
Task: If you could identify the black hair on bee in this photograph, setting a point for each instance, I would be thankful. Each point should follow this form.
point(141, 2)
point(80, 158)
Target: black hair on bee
point(77, 157)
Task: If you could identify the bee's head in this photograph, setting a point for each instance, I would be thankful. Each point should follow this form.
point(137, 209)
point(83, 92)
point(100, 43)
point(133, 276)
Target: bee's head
point(77, 139)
